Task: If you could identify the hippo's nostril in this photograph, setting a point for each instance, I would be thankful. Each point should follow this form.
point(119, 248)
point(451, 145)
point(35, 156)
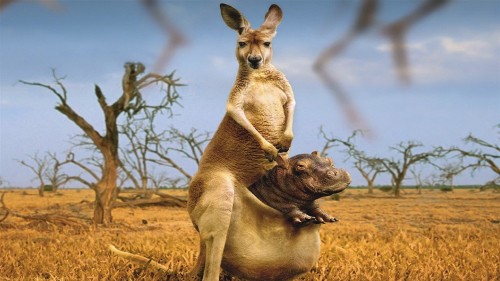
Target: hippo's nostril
point(332, 174)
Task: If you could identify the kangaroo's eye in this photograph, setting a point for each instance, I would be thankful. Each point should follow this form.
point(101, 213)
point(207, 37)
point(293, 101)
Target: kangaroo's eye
point(267, 44)
point(242, 44)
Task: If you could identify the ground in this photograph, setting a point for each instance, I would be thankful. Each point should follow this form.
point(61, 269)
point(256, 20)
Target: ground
point(429, 236)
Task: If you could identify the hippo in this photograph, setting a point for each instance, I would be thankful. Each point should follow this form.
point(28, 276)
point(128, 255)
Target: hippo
point(293, 186)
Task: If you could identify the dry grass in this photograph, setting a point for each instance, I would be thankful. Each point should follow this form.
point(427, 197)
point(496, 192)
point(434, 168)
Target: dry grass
point(433, 236)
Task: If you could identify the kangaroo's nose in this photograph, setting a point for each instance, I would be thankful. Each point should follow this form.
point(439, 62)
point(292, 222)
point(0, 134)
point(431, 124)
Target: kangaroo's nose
point(254, 60)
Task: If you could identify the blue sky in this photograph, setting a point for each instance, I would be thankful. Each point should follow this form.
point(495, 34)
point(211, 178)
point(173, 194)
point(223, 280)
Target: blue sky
point(454, 54)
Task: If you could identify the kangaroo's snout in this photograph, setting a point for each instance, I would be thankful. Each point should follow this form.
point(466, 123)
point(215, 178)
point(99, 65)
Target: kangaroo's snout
point(254, 61)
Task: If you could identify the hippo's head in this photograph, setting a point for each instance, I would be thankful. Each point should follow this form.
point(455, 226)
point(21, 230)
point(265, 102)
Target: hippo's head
point(314, 175)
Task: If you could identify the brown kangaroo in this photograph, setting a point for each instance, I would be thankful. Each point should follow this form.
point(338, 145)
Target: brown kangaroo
point(262, 243)
point(257, 125)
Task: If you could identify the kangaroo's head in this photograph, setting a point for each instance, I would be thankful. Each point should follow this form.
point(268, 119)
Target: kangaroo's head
point(254, 48)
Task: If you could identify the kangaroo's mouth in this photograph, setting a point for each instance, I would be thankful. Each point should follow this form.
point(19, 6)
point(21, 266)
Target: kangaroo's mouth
point(254, 65)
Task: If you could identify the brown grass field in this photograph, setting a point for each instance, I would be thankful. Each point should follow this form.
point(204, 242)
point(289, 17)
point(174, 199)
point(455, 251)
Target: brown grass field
point(432, 236)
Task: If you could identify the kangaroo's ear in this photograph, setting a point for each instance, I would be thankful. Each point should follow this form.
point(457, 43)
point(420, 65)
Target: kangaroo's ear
point(272, 19)
point(234, 19)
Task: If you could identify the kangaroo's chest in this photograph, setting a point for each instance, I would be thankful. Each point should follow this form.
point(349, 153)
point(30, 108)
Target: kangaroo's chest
point(264, 97)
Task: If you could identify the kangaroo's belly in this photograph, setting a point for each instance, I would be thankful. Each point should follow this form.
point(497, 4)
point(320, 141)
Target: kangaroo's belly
point(264, 108)
point(263, 245)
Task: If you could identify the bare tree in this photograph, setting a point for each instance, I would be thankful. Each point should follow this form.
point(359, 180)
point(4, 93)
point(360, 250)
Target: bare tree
point(91, 167)
point(134, 161)
point(149, 147)
point(39, 166)
point(417, 176)
point(54, 174)
point(168, 145)
point(450, 170)
point(398, 168)
point(130, 101)
point(484, 154)
point(3, 182)
point(367, 166)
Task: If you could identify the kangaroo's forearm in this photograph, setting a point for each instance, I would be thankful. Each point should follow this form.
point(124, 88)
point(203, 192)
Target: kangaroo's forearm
point(238, 115)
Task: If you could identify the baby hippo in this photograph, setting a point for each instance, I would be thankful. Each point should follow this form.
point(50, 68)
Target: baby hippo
point(293, 186)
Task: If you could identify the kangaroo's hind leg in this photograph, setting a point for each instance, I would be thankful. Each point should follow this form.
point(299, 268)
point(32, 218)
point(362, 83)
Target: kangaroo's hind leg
point(197, 271)
point(213, 217)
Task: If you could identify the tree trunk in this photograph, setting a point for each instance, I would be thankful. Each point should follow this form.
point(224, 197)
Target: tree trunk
point(144, 182)
point(105, 189)
point(40, 190)
point(105, 192)
point(370, 187)
point(397, 188)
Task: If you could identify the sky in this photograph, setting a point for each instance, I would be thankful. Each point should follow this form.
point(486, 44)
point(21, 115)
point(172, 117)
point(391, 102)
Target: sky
point(454, 55)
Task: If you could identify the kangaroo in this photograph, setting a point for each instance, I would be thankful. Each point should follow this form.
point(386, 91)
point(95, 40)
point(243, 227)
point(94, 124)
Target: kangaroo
point(262, 243)
point(256, 127)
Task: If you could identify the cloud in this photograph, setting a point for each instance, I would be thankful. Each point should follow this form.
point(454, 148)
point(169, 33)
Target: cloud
point(299, 67)
point(480, 49)
point(4, 102)
point(452, 59)
point(220, 63)
point(483, 46)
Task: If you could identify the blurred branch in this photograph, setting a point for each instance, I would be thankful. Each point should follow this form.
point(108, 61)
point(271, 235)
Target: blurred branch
point(396, 31)
point(175, 38)
point(51, 4)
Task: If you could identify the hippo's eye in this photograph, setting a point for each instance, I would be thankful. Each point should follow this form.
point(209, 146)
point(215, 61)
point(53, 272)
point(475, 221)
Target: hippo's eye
point(267, 44)
point(242, 44)
point(300, 167)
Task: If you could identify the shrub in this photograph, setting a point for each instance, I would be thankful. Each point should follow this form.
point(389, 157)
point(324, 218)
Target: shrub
point(335, 197)
point(385, 188)
point(446, 188)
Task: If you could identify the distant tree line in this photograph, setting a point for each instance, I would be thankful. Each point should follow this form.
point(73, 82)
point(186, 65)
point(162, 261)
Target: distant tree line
point(410, 154)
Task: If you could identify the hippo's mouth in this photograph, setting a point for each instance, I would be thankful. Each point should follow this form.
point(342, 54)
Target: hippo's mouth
point(335, 187)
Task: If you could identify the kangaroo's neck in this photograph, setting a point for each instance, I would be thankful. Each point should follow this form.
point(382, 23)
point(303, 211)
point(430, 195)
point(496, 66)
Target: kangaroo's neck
point(247, 73)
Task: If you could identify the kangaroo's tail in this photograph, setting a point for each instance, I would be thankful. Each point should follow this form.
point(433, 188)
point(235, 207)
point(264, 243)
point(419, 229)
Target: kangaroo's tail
point(137, 258)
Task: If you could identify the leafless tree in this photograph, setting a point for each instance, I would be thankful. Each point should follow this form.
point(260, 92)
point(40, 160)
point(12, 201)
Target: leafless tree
point(134, 161)
point(417, 176)
point(55, 176)
point(90, 168)
point(399, 167)
point(484, 154)
point(367, 166)
point(2, 182)
point(39, 166)
point(130, 101)
point(450, 170)
point(170, 144)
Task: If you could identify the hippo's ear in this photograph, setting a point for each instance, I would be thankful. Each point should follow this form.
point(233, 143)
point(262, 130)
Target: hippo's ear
point(282, 160)
point(315, 153)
